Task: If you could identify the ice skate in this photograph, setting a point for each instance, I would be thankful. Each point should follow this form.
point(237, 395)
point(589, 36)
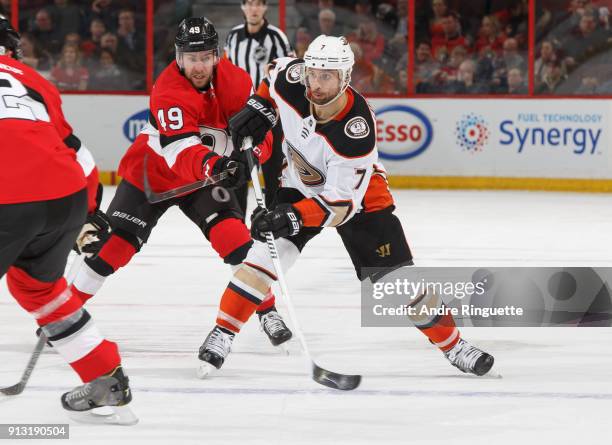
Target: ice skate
point(111, 390)
point(469, 359)
point(214, 350)
point(275, 328)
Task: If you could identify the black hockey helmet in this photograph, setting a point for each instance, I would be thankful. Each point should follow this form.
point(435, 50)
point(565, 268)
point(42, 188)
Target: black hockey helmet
point(196, 34)
point(9, 38)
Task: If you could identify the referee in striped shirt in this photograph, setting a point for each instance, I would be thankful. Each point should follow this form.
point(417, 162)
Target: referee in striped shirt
point(252, 45)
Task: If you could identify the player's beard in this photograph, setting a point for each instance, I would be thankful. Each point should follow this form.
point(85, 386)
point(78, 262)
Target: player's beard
point(321, 99)
point(201, 81)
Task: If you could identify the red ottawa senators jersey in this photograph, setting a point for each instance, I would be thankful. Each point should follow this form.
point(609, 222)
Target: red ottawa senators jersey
point(35, 162)
point(185, 124)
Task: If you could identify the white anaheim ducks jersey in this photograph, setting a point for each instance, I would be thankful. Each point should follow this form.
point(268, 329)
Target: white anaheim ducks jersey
point(331, 162)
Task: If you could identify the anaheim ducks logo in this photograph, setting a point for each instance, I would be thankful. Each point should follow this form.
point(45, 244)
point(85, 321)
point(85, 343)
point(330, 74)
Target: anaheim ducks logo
point(309, 175)
point(294, 73)
point(357, 128)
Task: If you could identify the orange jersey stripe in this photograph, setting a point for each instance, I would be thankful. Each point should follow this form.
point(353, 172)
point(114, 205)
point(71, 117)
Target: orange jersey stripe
point(377, 195)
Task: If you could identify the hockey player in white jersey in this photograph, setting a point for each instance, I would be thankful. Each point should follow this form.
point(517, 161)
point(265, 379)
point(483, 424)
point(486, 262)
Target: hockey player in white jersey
point(332, 178)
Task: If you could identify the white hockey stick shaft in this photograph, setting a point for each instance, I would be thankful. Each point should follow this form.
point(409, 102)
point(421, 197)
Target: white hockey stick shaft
point(248, 148)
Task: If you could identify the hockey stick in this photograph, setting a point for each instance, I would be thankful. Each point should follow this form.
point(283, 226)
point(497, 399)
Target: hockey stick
point(18, 388)
point(154, 197)
point(320, 375)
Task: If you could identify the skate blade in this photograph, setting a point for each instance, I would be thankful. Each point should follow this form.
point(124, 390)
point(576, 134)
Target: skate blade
point(205, 370)
point(111, 415)
point(492, 374)
point(284, 348)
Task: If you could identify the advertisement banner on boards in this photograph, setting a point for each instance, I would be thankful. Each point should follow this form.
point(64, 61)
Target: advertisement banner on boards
point(499, 138)
point(107, 124)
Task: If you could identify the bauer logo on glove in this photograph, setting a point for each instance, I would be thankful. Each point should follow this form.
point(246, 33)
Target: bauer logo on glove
point(283, 221)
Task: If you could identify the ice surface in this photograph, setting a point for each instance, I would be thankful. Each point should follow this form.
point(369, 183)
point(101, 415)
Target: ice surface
point(557, 385)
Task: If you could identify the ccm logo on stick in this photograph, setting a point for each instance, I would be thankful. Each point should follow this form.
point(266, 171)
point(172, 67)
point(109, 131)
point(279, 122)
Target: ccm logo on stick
point(402, 132)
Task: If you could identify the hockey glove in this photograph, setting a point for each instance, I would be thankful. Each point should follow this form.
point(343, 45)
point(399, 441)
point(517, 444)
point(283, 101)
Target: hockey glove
point(283, 221)
point(237, 172)
point(254, 120)
point(94, 234)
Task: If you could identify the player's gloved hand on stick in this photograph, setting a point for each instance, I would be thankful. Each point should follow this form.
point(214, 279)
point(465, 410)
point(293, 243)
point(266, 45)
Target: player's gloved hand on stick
point(237, 171)
point(255, 119)
point(94, 234)
point(283, 221)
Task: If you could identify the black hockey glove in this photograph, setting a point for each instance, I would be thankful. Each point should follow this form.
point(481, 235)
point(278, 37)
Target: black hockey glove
point(94, 234)
point(237, 172)
point(282, 221)
point(255, 119)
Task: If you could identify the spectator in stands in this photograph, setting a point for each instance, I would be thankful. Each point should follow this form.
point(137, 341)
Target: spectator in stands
point(402, 14)
point(425, 64)
point(327, 23)
point(302, 40)
point(466, 80)
point(130, 63)
point(107, 76)
point(67, 16)
point(363, 8)
point(585, 41)
point(452, 35)
point(34, 55)
point(511, 56)
point(436, 24)
point(516, 83)
point(401, 82)
point(457, 57)
point(387, 19)
point(371, 42)
point(104, 10)
point(45, 31)
point(72, 38)
point(110, 41)
point(69, 73)
point(490, 36)
point(588, 85)
point(552, 78)
point(517, 23)
point(367, 77)
point(97, 29)
point(131, 47)
point(127, 32)
point(547, 55)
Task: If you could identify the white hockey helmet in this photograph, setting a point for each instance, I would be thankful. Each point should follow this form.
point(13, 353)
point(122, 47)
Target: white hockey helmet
point(330, 53)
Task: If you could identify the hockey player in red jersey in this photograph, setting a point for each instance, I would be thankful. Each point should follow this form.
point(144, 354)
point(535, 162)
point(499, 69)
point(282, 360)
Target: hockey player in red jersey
point(332, 179)
point(186, 140)
point(49, 185)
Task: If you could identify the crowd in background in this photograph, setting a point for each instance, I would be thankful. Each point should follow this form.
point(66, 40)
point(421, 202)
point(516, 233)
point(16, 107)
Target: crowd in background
point(471, 47)
point(461, 47)
point(573, 51)
point(84, 44)
point(376, 30)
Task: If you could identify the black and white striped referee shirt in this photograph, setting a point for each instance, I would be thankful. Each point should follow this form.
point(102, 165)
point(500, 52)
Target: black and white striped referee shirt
point(252, 52)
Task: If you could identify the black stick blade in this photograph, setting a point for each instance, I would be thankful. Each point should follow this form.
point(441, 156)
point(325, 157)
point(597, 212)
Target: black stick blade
point(334, 380)
point(12, 390)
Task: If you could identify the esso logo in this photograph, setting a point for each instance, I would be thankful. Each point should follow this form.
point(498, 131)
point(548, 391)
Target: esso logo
point(134, 124)
point(402, 132)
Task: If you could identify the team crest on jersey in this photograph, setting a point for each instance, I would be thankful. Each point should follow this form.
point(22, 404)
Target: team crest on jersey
point(217, 140)
point(357, 128)
point(309, 174)
point(294, 73)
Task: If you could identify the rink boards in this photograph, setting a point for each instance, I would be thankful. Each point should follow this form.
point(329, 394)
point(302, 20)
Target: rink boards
point(543, 144)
